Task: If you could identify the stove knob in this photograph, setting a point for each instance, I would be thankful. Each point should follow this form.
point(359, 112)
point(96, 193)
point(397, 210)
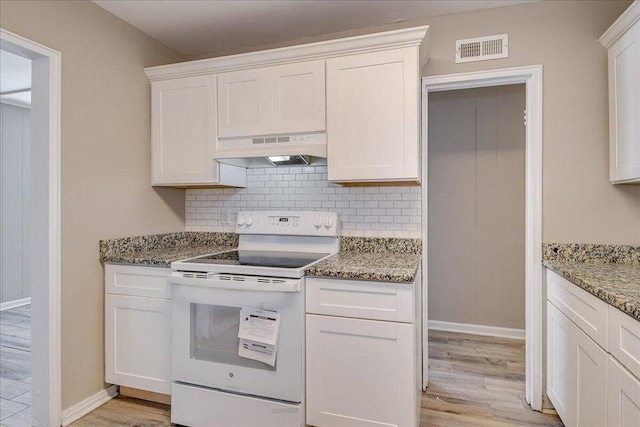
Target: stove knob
point(240, 221)
point(328, 222)
point(318, 222)
point(249, 221)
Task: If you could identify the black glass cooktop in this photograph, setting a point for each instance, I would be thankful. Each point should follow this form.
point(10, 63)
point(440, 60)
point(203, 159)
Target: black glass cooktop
point(260, 258)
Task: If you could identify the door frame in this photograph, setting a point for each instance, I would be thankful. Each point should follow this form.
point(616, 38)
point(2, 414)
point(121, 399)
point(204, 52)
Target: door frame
point(531, 76)
point(44, 225)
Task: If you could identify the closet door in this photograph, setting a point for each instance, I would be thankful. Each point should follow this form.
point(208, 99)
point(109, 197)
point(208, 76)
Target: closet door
point(297, 98)
point(243, 103)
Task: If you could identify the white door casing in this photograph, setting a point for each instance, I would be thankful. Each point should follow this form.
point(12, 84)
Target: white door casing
point(534, 296)
point(44, 225)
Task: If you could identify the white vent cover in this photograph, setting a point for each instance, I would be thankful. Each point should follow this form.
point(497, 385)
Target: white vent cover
point(482, 48)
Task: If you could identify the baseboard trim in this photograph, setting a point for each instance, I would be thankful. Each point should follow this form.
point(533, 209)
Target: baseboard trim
point(82, 408)
point(15, 303)
point(466, 328)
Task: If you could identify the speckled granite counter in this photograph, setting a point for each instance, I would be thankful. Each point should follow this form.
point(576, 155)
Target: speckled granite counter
point(612, 273)
point(161, 250)
point(378, 259)
point(163, 257)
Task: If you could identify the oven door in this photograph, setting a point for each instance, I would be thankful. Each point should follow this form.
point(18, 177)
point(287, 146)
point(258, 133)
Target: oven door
point(204, 337)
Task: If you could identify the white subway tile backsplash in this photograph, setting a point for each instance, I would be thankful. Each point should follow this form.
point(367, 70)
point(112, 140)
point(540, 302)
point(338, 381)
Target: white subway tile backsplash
point(385, 211)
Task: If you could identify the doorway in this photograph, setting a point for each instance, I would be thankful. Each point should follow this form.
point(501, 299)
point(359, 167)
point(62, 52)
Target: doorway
point(37, 151)
point(476, 210)
point(15, 301)
point(531, 76)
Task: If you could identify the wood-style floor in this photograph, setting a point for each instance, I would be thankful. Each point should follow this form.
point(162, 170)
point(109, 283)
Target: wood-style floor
point(477, 381)
point(473, 381)
point(15, 367)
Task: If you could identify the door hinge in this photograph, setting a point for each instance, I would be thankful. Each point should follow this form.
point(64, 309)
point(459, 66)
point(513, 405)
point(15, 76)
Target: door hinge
point(525, 117)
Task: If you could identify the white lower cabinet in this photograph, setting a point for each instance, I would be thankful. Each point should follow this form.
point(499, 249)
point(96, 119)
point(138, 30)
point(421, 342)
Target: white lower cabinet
point(137, 330)
point(359, 372)
point(560, 355)
point(623, 405)
point(590, 393)
point(362, 364)
point(587, 385)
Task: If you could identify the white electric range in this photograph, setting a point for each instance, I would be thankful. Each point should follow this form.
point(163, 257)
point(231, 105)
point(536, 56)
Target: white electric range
point(213, 385)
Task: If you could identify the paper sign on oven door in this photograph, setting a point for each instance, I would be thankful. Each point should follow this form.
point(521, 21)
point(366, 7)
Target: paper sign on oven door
point(258, 333)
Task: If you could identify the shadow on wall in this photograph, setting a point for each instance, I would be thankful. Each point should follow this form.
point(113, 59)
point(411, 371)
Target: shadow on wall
point(173, 198)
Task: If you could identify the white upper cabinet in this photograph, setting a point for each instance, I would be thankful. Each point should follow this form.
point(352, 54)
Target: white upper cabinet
point(355, 101)
point(275, 100)
point(183, 128)
point(373, 116)
point(243, 103)
point(623, 43)
point(297, 98)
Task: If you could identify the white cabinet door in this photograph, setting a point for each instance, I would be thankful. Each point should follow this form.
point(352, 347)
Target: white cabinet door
point(184, 131)
point(297, 98)
point(560, 362)
point(589, 403)
point(624, 339)
point(243, 103)
point(360, 372)
point(623, 391)
point(373, 105)
point(624, 106)
point(137, 342)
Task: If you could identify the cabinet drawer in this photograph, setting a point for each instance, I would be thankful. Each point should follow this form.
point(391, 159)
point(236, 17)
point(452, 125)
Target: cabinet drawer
point(137, 281)
point(585, 310)
point(361, 299)
point(624, 340)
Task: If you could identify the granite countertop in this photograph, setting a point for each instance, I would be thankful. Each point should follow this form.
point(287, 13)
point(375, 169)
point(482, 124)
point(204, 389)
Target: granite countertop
point(615, 284)
point(163, 257)
point(161, 250)
point(384, 266)
point(610, 272)
point(364, 258)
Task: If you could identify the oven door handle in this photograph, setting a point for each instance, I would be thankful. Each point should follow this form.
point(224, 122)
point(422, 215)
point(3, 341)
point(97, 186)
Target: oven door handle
point(288, 286)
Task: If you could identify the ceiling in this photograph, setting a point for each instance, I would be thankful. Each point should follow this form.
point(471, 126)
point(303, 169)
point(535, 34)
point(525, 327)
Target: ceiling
point(194, 27)
point(15, 74)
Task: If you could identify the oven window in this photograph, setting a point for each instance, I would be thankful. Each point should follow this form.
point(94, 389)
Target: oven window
point(214, 336)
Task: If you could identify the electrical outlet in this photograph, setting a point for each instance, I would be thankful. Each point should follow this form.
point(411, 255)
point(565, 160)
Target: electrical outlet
point(226, 216)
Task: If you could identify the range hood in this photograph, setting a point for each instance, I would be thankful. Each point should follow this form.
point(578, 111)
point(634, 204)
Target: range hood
point(272, 151)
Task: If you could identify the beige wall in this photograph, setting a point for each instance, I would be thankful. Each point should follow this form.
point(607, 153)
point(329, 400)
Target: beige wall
point(580, 205)
point(106, 189)
point(477, 206)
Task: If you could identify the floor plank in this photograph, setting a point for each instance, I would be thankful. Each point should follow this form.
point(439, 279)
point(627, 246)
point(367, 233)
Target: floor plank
point(15, 367)
point(477, 381)
point(474, 381)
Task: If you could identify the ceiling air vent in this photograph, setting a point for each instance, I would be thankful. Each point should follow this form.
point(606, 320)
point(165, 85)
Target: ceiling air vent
point(482, 48)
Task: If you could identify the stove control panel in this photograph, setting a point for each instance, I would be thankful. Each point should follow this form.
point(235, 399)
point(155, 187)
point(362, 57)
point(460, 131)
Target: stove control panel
point(288, 223)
